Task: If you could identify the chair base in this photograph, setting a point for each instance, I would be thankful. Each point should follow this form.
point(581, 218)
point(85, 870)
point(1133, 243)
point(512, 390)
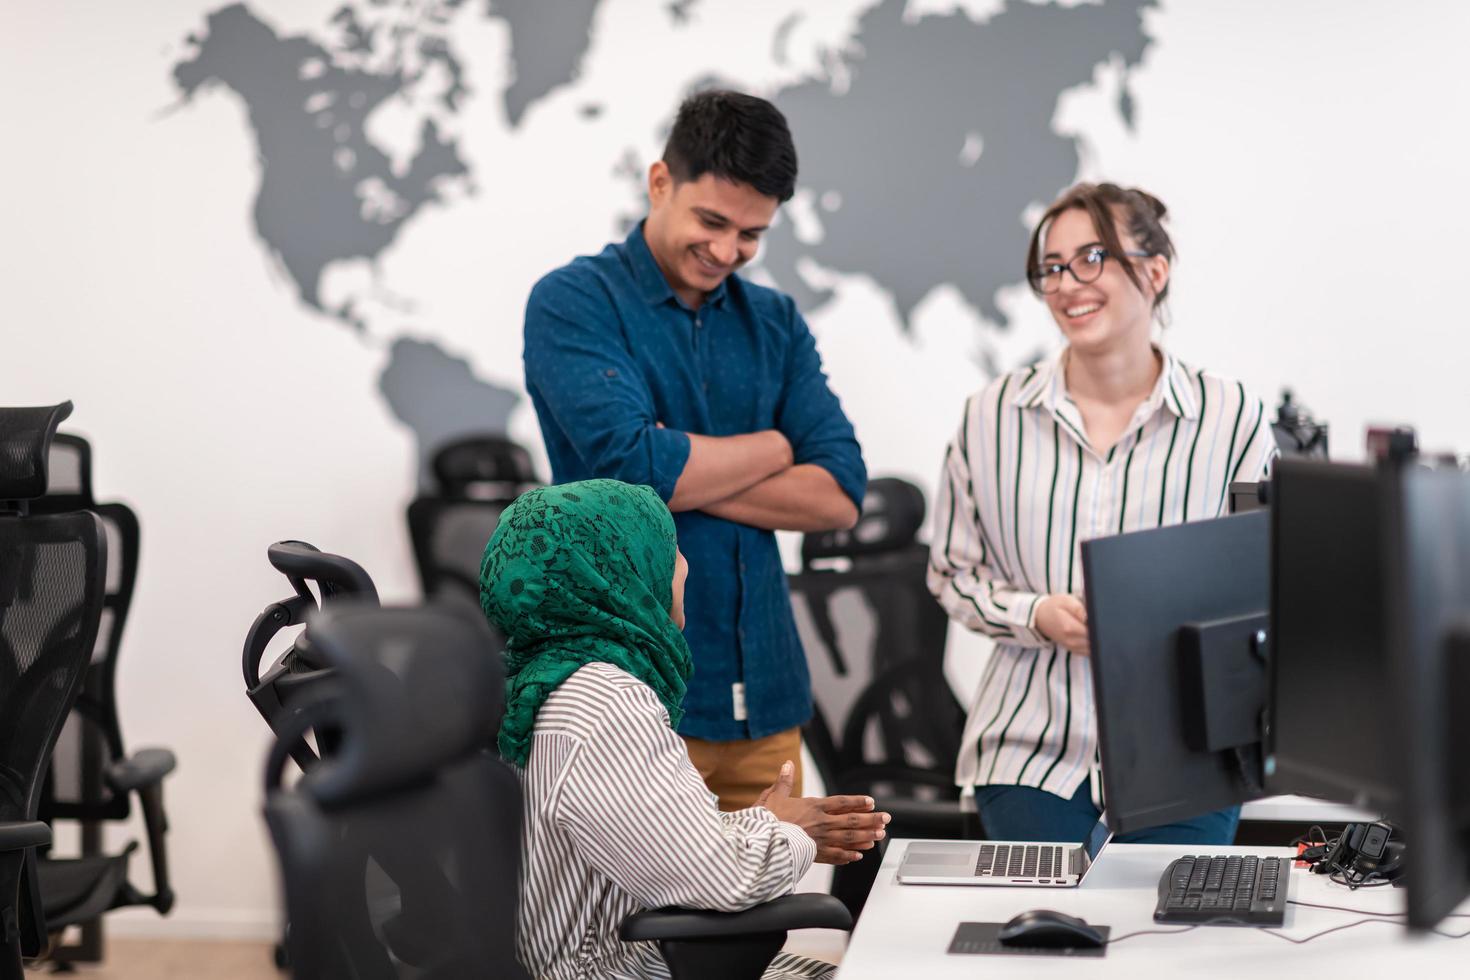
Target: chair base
point(734, 958)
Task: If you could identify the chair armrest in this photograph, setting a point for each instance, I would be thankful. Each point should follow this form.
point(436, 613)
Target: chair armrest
point(808, 910)
point(16, 835)
point(145, 767)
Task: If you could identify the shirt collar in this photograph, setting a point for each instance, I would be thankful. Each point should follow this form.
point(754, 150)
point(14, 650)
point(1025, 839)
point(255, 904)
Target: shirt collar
point(651, 282)
point(1176, 388)
point(1046, 386)
point(1036, 387)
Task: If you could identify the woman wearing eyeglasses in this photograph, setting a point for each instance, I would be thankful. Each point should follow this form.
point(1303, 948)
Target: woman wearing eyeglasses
point(1111, 434)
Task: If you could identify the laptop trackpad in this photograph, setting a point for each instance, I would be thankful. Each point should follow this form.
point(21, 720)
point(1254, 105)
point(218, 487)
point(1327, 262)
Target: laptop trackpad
point(929, 859)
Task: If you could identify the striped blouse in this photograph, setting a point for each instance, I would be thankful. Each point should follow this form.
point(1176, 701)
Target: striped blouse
point(617, 819)
point(1021, 489)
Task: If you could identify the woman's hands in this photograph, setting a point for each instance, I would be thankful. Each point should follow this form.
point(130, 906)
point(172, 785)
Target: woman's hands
point(842, 826)
point(1062, 619)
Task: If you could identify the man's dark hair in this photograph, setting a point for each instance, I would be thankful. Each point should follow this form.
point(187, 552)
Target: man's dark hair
point(734, 136)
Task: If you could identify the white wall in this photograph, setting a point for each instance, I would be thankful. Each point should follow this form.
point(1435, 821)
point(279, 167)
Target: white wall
point(1312, 155)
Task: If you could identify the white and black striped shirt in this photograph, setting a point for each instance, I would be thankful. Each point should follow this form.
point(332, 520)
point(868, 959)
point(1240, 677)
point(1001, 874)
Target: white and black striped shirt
point(1021, 490)
point(617, 820)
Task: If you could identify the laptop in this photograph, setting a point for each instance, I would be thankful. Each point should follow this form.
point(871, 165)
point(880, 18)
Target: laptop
point(1002, 862)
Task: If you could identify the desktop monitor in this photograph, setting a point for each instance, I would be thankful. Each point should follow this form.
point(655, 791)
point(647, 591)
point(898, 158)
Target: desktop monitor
point(1175, 618)
point(1246, 497)
point(1370, 658)
point(1428, 611)
point(1329, 671)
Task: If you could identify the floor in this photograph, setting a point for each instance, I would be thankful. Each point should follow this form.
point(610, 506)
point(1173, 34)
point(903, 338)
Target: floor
point(137, 959)
point(142, 959)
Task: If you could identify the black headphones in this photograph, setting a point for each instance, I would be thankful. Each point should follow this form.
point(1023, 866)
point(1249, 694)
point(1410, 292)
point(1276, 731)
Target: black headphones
point(1363, 854)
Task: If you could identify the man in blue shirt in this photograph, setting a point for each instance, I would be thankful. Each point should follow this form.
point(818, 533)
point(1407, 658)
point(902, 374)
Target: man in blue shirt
point(653, 363)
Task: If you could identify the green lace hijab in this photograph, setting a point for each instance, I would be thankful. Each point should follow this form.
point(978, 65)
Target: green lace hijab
point(576, 574)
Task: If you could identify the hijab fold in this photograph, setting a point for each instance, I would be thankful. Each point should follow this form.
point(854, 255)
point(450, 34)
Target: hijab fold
point(576, 574)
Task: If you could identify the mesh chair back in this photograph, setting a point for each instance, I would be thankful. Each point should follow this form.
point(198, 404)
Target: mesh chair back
point(875, 638)
point(51, 586)
point(297, 679)
point(52, 569)
point(477, 477)
point(449, 538)
point(51, 582)
point(400, 854)
point(93, 730)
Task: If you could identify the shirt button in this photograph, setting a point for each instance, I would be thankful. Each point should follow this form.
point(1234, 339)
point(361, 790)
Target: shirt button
point(698, 322)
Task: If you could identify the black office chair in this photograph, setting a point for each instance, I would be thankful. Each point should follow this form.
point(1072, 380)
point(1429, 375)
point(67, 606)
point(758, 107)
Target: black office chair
point(53, 571)
point(400, 852)
point(886, 722)
point(92, 777)
point(477, 477)
point(297, 679)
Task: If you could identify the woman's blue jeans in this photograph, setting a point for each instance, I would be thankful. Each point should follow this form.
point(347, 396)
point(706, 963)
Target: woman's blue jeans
point(1026, 814)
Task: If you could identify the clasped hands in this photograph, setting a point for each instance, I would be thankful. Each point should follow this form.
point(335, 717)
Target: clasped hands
point(842, 826)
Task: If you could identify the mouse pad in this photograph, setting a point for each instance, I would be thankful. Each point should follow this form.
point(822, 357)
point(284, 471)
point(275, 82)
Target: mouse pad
point(979, 938)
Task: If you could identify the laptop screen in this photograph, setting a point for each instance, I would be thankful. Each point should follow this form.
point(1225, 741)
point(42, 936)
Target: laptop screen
point(1097, 839)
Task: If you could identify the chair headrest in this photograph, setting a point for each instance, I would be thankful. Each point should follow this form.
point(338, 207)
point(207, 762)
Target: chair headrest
point(417, 688)
point(68, 476)
point(465, 466)
point(335, 575)
point(893, 511)
point(25, 447)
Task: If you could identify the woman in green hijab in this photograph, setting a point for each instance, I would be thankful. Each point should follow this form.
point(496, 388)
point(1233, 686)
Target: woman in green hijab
point(578, 574)
point(586, 582)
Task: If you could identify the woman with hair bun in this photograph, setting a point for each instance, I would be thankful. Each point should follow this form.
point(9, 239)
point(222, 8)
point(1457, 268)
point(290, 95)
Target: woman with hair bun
point(1111, 434)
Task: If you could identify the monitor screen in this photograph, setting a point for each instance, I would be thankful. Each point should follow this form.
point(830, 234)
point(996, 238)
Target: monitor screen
point(1329, 667)
point(1173, 615)
point(1429, 621)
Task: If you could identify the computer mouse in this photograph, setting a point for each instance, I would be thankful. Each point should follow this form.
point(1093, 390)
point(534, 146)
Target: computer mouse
point(1046, 929)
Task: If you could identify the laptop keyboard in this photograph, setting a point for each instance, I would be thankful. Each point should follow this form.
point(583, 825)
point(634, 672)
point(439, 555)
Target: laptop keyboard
point(1042, 862)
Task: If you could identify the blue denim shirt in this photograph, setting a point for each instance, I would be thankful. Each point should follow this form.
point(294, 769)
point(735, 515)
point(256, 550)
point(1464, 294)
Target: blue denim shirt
point(610, 352)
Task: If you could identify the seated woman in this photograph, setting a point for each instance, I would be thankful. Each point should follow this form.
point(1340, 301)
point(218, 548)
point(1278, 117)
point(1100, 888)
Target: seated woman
point(586, 582)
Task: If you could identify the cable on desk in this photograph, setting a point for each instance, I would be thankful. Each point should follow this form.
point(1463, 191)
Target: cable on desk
point(1148, 932)
point(1310, 839)
point(1319, 935)
point(1385, 917)
point(1343, 908)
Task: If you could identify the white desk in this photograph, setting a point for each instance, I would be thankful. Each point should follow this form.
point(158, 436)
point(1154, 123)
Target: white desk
point(905, 929)
point(1304, 809)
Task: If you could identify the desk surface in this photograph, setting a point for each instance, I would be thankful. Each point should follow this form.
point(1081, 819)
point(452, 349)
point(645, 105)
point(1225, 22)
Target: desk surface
point(905, 929)
point(1303, 809)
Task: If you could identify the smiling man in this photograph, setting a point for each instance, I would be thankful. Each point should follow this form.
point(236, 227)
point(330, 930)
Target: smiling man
point(654, 363)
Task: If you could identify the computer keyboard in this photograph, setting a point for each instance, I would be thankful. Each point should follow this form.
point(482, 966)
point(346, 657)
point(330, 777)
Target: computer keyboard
point(1242, 889)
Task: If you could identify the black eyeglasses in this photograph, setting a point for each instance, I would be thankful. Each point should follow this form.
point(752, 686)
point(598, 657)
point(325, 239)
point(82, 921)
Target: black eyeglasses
point(1048, 278)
